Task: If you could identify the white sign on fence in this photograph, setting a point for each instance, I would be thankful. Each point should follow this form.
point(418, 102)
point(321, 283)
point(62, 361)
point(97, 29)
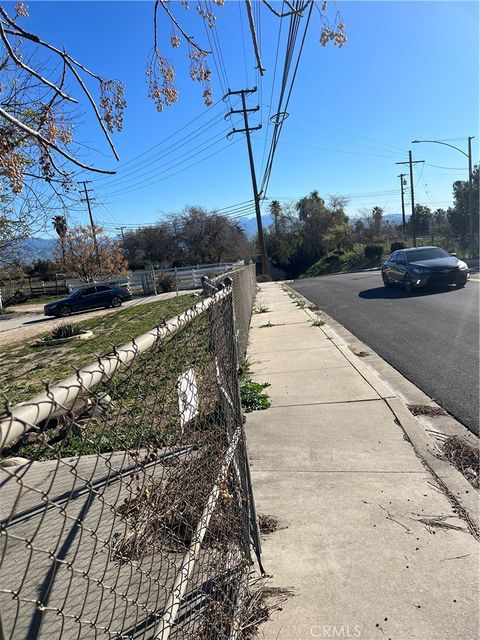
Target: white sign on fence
point(187, 396)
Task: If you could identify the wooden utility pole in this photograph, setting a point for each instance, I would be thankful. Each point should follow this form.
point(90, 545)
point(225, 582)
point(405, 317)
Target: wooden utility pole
point(87, 200)
point(247, 130)
point(412, 195)
point(403, 182)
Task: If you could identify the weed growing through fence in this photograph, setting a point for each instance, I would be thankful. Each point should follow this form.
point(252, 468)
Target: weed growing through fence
point(267, 523)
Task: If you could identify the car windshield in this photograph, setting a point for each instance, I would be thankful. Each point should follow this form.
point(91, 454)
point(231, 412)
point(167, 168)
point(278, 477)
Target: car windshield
point(426, 254)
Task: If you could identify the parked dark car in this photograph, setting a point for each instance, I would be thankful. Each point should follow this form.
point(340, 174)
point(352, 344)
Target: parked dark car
point(424, 267)
point(91, 297)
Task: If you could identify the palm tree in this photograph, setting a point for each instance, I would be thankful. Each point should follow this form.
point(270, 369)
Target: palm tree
point(275, 210)
point(60, 226)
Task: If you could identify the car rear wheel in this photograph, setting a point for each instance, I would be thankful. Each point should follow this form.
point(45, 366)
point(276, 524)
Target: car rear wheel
point(64, 311)
point(386, 281)
point(116, 302)
point(408, 284)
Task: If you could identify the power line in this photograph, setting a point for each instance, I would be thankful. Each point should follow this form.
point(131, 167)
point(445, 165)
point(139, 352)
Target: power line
point(186, 140)
point(172, 135)
point(355, 153)
point(281, 114)
point(351, 133)
point(238, 209)
point(343, 141)
point(142, 183)
point(144, 176)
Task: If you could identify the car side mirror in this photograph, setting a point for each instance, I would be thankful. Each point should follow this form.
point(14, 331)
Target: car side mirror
point(453, 254)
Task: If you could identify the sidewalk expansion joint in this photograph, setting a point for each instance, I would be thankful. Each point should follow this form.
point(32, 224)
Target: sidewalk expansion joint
point(256, 469)
point(276, 373)
point(324, 346)
point(314, 404)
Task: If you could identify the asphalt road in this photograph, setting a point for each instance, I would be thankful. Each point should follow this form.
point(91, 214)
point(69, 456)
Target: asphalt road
point(432, 338)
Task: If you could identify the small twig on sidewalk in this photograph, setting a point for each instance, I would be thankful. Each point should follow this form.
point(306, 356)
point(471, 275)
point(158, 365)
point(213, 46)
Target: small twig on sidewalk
point(390, 517)
point(440, 522)
point(465, 555)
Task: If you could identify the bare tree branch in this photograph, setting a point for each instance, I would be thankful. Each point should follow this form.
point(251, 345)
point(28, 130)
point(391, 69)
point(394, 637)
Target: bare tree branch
point(18, 62)
point(293, 11)
point(22, 33)
point(189, 39)
point(94, 106)
point(38, 136)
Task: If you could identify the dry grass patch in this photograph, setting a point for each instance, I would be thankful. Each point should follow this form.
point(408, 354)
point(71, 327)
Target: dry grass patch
point(426, 410)
point(465, 457)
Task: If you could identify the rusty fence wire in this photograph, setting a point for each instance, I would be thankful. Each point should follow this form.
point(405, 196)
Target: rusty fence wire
point(134, 516)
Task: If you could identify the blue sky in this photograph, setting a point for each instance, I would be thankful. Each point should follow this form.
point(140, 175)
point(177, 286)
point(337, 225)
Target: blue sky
point(409, 70)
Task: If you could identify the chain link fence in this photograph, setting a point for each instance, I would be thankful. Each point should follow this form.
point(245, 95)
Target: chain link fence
point(244, 287)
point(132, 515)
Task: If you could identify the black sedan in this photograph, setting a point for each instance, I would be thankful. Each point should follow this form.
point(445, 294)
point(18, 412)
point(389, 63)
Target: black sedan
point(91, 297)
point(424, 267)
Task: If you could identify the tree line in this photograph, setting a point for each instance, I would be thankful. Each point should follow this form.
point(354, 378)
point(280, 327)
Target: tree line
point(300, 234)
point(193, 236)
point(305, 232)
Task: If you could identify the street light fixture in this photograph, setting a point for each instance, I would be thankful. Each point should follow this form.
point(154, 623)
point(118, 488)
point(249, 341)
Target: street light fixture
point(470, 194)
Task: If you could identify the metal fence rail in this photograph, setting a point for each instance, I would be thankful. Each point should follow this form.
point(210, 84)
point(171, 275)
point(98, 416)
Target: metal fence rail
point(133, 516)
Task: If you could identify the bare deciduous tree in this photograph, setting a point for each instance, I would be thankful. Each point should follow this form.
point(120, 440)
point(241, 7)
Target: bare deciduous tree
point(88, 259)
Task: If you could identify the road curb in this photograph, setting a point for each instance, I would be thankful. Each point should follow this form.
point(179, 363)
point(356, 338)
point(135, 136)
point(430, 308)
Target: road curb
point(458, 490)
point(463, 496)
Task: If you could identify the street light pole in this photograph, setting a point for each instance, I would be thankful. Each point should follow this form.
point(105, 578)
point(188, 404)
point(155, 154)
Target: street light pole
point(470, 198)
point(470, 186)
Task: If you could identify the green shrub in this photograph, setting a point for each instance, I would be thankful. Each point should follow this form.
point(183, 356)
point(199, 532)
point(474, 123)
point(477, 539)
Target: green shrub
point(332, 259)
point(67, 330)
point(373, 251)
point(165, 283)
point(397, 245)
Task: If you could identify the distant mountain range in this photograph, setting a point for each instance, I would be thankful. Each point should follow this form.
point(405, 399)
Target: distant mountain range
point(249, 225)
point(35, 249)
point(395, 218)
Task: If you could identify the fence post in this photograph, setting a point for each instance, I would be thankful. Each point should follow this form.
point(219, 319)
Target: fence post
point(176, 282)
point(153, 281)
point(1, 304)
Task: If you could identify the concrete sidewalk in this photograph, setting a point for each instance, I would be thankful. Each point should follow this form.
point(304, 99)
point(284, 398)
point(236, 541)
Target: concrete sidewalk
point(369, 536)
